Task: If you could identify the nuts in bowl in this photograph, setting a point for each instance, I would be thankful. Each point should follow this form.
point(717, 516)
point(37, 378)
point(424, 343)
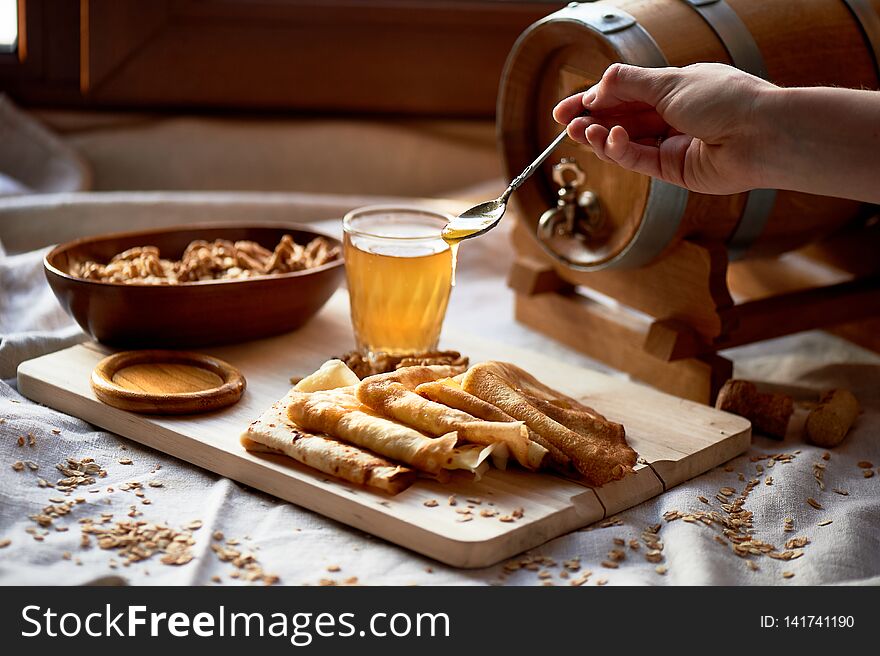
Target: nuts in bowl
point(195, 285)
point(218, 260)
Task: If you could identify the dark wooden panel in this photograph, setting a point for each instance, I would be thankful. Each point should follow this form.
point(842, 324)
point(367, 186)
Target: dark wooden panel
point(429, 57)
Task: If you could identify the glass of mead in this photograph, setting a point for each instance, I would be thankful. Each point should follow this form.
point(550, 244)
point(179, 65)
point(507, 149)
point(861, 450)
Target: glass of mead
point(399, 273)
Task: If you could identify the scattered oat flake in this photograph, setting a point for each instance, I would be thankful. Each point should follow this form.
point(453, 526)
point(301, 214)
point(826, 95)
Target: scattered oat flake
point(216, 579)
point(610, 564)
point(334, 568)
point(246, 565)
point(5, 542)
point(843, 493)
point(56, 431)
point(825, 522)
point(814, 503)
point(660, 569)
point(864, 464)
point(703, 499)
point(601, 581)
point(125, 461)
point(431, 503)
point(32, 441)
point(826, 455)
point(654, 556)
point(617, 555)
point(619, 541)
point(18, 465)
point(580, 580)
point(452, 501)
point(868, 473)
point(788, 575)
point(217, 535)
point(21, 440)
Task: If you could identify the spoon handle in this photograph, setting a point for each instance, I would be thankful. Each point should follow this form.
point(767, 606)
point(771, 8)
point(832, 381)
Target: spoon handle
point(531, 168)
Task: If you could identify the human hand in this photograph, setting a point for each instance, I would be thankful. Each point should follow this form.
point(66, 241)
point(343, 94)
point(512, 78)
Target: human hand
point(701, 127)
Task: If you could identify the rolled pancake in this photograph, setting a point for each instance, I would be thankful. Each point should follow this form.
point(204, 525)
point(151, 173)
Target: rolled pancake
point(333, 374)
point(339, 414)
point(596, 446)
point(526, 383)
point(392, 395)
point(273, 432)
point(529, 452)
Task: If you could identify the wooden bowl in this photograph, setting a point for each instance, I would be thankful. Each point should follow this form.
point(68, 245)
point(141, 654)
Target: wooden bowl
point(194, 313)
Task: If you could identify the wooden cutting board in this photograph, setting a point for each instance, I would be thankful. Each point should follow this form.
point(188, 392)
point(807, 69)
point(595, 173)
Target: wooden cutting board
point(677, 439)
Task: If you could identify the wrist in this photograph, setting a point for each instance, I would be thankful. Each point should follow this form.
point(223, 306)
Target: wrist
point(774, 149)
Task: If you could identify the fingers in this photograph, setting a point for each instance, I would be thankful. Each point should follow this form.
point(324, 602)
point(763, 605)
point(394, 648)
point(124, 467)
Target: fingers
point(572, 107)
point(622, 90)
point(635, 157)
point(664, 161)
point(639, 125)
point(596, 136)
point(622, 83)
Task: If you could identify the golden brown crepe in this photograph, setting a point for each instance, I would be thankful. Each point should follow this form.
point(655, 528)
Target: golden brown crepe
point(449, 393)
point(339, 414)
point(597, 447)
point(391, 395)
point(273, 432)
point(333, 374)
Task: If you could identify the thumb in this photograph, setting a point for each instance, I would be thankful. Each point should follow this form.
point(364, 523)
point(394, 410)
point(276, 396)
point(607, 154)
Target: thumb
point(623, 83)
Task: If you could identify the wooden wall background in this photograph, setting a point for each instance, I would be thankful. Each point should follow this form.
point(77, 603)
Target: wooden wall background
point(413, 57)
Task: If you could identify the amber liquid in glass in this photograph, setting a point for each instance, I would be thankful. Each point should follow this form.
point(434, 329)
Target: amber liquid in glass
point(399, 291)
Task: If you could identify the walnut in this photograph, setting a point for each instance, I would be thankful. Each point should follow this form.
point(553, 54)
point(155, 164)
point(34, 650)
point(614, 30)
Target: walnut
point(383, 363)
point(203, 260)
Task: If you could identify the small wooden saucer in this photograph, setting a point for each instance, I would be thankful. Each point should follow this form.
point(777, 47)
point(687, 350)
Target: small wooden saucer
point(166, 382)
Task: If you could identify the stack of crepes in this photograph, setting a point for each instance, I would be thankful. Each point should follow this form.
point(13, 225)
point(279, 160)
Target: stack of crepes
point(386, 430)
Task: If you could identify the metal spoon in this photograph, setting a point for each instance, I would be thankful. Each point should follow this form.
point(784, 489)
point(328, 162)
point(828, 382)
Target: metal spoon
point(485, 216)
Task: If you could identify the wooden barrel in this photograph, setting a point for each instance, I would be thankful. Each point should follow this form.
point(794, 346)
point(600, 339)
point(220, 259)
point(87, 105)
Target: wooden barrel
point(816, 42)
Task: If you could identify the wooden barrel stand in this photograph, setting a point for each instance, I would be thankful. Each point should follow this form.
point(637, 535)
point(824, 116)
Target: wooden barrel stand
point(666, 323)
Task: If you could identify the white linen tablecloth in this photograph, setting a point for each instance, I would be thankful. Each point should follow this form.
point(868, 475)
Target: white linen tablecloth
point(299, 546)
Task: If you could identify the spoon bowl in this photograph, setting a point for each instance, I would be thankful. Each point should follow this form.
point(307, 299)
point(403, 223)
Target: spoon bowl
point(483, 217)
point(475, 221)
